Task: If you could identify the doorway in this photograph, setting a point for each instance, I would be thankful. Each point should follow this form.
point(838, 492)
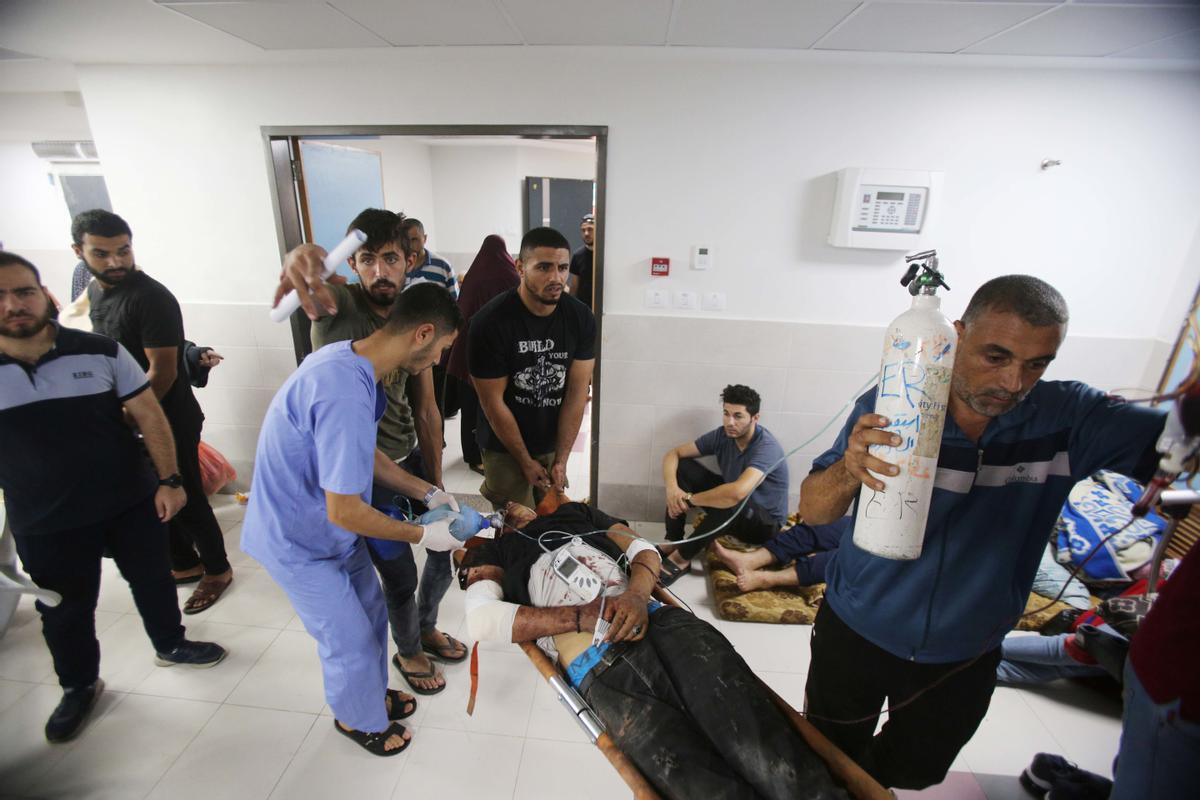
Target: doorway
point(463, 183)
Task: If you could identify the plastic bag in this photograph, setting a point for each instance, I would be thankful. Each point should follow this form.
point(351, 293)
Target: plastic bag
point(215, 471)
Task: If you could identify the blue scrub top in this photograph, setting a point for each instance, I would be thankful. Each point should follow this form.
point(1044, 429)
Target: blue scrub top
point(318, 435)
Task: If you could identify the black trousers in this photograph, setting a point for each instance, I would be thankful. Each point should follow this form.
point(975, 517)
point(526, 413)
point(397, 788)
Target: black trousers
point(685, 707)
point(850, 677)
point(195, 536)
point(468, 402)
point(68, 562)
point(752, 525)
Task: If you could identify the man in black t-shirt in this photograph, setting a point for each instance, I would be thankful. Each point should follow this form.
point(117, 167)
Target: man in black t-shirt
point(583, 263)
point(142, 314)
point(531, 352)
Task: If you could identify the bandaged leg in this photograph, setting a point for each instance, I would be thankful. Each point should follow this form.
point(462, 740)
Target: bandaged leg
point(342, 607)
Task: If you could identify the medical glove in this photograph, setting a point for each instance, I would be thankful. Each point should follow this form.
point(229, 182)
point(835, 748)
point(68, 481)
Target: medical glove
point(436, 498)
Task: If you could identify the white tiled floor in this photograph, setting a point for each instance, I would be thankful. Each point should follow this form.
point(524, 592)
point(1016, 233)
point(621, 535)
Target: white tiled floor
point(257, 725)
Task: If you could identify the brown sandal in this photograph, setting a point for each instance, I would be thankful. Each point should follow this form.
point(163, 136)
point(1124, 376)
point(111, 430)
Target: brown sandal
point(207, 592)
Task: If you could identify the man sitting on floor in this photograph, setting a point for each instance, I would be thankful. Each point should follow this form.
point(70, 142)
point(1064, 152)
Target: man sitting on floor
point(809, 546)
point(672, 692)
point(751, 464)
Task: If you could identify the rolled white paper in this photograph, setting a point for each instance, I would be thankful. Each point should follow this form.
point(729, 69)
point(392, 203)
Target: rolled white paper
point(345, 248)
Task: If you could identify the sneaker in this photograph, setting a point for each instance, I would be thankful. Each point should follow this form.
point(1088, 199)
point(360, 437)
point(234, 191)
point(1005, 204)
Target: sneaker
point(1044, 771)
point(1082, 785)
point(72, 711)
point(1053, 776)
point(192, 654)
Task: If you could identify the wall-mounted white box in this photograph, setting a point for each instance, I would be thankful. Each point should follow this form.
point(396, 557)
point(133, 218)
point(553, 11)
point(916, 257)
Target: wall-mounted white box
point(713, 301)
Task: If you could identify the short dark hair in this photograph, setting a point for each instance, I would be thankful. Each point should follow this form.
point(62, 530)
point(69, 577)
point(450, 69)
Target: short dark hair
point(421, 303)
point(543, 237)
point(98, 222)
point(1030, 298)
point(382, 228)
point(412, 222)
point(739, 395)
point(8, 259)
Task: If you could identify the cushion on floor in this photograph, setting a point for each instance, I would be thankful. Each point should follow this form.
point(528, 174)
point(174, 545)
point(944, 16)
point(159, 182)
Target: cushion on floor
point(792, 606)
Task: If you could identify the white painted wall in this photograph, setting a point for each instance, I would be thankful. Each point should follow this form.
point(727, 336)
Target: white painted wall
point(731, 150)
point(477, 192)
point(735, 154)
point(34, 220)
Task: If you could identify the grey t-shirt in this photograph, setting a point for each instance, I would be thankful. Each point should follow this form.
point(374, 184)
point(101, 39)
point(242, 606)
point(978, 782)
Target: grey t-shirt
point(762, 454)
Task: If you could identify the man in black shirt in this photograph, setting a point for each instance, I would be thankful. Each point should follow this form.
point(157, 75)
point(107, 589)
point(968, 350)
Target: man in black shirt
point(142, 314)
point(583, 263)
point(531, 352)
point(75, 483)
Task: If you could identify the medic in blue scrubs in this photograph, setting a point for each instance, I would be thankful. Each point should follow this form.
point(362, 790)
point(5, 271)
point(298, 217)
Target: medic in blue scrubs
point(310, 506)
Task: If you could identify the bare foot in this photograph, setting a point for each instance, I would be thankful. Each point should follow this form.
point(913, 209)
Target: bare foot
point(394, 742)
point(409, 702)
point(736, 561)
point(742, 562)
point(679, 561)
point(421, 663)
point(183, 574)
point(755, 579)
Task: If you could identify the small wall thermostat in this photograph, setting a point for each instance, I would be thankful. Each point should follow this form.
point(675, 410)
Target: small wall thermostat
point(701, 257)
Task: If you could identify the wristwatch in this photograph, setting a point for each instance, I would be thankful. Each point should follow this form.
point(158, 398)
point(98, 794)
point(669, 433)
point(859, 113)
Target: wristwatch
point(173, 481)
point(687, 498)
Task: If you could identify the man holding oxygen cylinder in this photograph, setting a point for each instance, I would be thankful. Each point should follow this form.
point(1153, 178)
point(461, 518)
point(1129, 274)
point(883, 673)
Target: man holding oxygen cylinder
point(310, 507)
point(924, 634)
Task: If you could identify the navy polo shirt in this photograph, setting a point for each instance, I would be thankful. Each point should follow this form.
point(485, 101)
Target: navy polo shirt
point(69, 458)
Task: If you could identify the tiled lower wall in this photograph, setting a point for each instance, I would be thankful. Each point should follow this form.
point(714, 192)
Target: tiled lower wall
point(661, 384)
point(258, 358)
point(662, 378)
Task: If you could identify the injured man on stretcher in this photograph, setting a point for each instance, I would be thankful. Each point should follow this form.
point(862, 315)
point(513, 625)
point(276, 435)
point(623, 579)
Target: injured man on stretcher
point(669, 688)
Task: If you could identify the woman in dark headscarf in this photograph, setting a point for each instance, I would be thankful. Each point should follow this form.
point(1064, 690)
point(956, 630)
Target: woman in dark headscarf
point(492, 272)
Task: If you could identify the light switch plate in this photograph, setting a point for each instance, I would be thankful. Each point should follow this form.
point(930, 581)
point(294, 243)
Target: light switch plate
point(687, 300)
point(714, 301)
point(658, 298)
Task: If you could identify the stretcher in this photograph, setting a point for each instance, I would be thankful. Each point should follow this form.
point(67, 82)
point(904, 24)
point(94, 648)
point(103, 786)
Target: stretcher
point(857, 782)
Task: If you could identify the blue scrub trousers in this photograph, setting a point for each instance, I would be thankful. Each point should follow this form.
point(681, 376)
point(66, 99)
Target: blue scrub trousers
point(342, 607)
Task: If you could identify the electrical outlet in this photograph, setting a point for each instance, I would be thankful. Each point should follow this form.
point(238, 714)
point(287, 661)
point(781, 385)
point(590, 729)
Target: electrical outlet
point(714, 301)
point(687, 300)
point(658, 298)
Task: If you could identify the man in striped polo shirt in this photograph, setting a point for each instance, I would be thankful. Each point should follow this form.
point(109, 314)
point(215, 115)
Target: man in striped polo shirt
point(429, 268)
point(76, 483)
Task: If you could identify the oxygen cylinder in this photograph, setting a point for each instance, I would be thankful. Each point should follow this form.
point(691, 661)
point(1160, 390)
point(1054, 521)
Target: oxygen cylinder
point(913, 393)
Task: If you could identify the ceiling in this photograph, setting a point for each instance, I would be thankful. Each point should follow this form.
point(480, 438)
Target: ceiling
point(203, 31)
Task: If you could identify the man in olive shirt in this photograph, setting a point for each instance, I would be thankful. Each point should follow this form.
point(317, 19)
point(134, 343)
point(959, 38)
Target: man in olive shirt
point(360, 309)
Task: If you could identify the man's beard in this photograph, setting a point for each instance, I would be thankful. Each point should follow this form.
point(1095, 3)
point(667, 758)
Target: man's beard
point(419, 360)
point(106, 275)
point(13, 332)
point(379, 298)
point(549, 301)
point(972, 399)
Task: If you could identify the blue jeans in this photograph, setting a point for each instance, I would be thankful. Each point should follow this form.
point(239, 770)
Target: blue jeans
point(1040, 659)
point(1159, 757)
point(409, 619)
